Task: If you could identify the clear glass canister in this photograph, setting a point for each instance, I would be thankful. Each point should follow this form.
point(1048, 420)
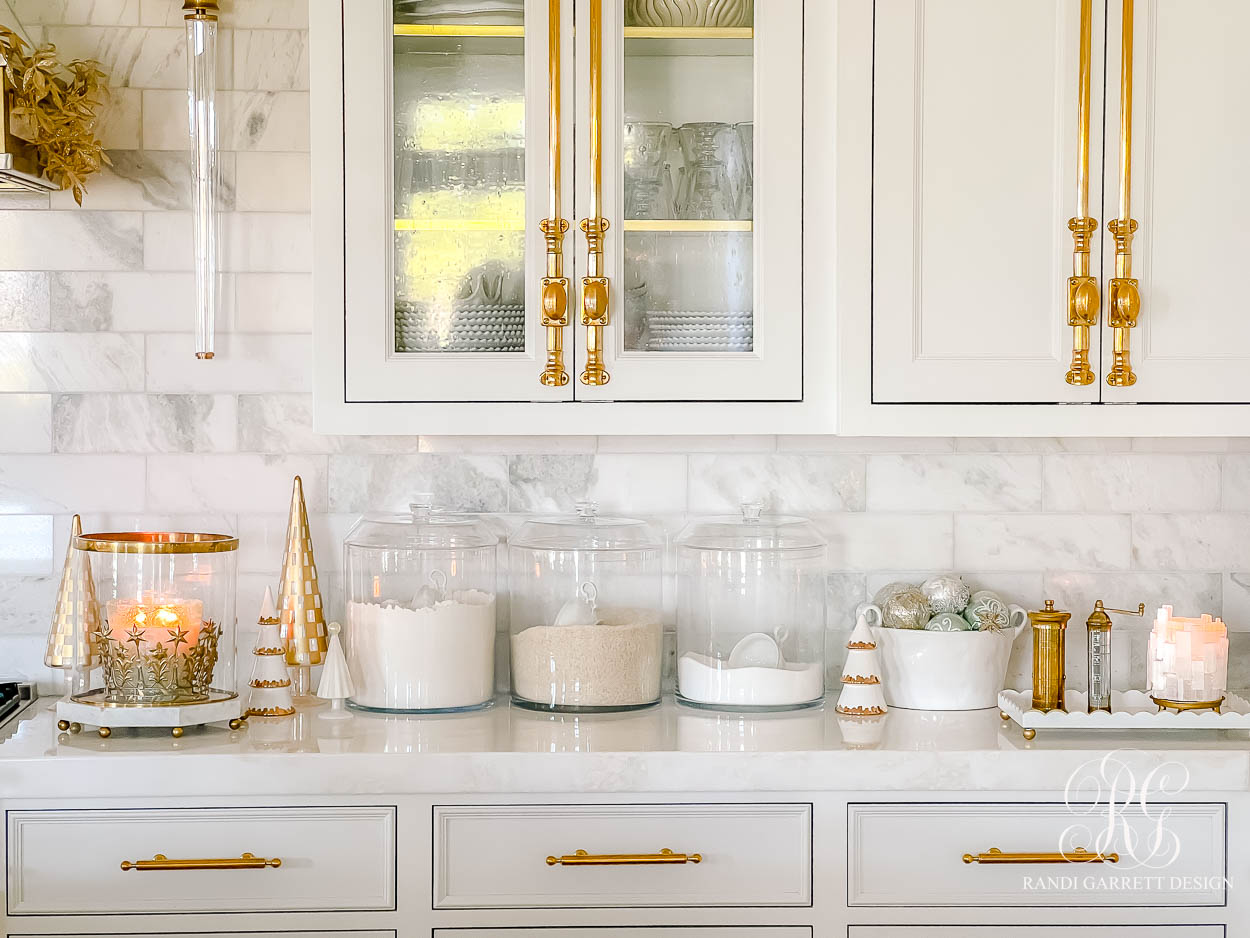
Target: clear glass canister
point(154, 620)
point(420, 633)
point(587, 631)
point(751, 612)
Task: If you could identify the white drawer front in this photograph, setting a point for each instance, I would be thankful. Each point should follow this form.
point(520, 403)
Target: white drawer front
point(494, 856)
point(696, 931)
point(1036, 931)
point(931, 839)
point(250, 934)
point(333, 858)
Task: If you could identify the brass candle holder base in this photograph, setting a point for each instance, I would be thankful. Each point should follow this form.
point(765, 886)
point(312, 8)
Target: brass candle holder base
point(1182, 705)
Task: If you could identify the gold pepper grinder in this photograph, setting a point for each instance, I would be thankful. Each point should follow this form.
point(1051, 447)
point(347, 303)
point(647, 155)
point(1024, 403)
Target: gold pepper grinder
point(1049, 651)
point(1098, 646)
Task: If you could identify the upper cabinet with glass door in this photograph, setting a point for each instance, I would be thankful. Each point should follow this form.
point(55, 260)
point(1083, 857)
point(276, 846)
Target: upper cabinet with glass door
point(511, 213)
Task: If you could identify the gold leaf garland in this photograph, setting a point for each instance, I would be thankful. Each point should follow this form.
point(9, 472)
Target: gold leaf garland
point(55, 108)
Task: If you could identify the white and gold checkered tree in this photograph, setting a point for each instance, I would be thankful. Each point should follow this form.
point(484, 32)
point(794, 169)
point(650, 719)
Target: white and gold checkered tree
point(76, 616)
point(303, 620)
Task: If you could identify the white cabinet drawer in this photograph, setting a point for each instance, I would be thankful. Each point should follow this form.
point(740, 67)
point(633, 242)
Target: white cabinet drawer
point(353, 933)
point(1187, 869)
point(647, 931)
point(1036, 931)
point(332, 858)
point(495, 856)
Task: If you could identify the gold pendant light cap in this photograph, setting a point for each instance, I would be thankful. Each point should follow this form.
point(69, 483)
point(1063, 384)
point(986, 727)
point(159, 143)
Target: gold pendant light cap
point(201, 9)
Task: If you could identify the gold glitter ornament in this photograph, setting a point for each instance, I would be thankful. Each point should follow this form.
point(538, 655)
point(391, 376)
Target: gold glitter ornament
point(906, 609)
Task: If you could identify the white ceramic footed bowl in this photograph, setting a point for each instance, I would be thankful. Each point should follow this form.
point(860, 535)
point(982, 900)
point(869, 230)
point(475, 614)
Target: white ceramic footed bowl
point(924, 670)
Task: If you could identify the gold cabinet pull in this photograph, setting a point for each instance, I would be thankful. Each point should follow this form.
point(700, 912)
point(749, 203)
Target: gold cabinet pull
point(665, 856)
point(595, 316)
point(1123, 295)
point(555, 292)
point(161, 862)
point(1083, 300)
point(1078, 855)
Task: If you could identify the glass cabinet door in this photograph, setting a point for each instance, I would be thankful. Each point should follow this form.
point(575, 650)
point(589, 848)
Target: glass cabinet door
point(449, 102)
point(702, 189)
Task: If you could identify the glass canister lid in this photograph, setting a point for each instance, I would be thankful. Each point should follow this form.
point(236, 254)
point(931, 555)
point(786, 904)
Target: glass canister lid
point(423, 527)
point(752, 530)
point(587, 530)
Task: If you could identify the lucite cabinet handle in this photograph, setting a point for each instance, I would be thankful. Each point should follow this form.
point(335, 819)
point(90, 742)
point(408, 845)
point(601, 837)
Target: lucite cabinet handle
point(555, 292)
point(665, 856)
point(1123, 295)
point(1083, 300)
point(595, 316)
point(162, 863)
point(995, 856)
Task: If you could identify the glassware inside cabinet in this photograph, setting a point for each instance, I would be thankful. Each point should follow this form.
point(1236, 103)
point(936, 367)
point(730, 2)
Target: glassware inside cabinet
point(687, 165)
point(459, 187)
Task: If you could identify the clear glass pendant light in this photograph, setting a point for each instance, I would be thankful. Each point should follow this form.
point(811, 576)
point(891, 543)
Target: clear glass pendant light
point(201, 19)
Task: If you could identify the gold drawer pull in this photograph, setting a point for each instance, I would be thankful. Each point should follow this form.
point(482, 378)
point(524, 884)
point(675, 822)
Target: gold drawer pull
point(582, 858)
point(162, 862)
point(1078, 855)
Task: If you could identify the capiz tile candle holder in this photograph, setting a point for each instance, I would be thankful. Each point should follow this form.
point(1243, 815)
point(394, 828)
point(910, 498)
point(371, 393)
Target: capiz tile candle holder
point(156, 647)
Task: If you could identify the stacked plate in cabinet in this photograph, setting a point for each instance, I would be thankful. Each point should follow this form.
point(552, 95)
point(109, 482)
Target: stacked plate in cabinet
point(697, 331)
point(491, 328)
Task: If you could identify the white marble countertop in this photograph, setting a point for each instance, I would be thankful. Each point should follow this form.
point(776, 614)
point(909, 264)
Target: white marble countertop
point(669, 748)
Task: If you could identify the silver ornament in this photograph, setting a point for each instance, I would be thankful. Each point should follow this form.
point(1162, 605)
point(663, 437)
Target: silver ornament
point(906, 609)
point(946, 592)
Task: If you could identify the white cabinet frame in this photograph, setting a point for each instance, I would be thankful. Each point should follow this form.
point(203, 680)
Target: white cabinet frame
point(846, 78)
point(343, 265)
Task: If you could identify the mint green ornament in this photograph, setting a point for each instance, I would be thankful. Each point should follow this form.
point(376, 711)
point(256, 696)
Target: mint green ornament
point(987, 612)
point(948, 622)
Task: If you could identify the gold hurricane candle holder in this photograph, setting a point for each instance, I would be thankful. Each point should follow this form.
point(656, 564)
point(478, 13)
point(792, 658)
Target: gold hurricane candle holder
point(154, 640)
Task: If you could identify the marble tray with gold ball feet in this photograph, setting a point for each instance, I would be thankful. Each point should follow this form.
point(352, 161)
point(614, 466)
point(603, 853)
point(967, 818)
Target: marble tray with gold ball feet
point(73, 713)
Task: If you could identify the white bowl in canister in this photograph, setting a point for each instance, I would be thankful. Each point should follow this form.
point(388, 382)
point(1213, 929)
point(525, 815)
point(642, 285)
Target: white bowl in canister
point(923, 670)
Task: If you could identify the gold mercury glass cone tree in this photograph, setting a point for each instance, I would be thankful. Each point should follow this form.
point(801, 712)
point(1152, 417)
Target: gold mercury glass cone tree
point(303, 620)
point(75, 597)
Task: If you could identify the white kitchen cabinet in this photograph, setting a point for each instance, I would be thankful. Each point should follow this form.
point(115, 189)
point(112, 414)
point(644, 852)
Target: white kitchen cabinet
point(953, 315)
point(699, 931)
point(439, 148)
point(316, 859)
point(1035, 838)
point(1036, 931)
point(974, 175)
point(496, 856)
point(1191, 196)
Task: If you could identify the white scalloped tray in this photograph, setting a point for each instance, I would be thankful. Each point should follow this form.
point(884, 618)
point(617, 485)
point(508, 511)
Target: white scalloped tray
point(1130, 710)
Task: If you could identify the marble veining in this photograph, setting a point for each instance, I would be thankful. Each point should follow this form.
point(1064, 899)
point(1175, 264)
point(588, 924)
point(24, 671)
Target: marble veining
point(144, 423)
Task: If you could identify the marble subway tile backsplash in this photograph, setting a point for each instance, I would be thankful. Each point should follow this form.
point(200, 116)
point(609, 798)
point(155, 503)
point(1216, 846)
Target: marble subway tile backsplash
point(105, 412)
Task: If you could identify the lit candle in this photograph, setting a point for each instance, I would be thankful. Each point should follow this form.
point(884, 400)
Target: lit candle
point(174, 623)
point(1188, 658)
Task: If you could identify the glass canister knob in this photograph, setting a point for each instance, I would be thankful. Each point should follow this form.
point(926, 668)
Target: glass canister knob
point(751, 512)
point(422, 505)
point(587, 510)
